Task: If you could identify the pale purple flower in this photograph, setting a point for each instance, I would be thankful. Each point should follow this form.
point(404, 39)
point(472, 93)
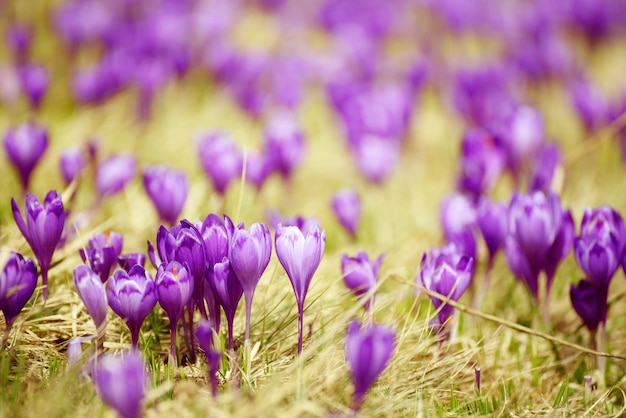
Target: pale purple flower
point(42, 229)
point(220, 159)
point(300, 256)
point(458, 218)
point(18, 280)
point(25, 145)
point(121, 382)
point(368, 351)
point(346, 205)
point(492, 219)
point(360, 274)
point(132, 296)
point(114, 173)
point(167, 189)
point(92, 293)
point(71, 163)
point(34, 80)
point(258, 168)
point(284, 143)
point(376, 157)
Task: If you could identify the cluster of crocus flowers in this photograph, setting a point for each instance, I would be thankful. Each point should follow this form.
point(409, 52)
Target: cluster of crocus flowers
point(18, 280)
point(42, 229)
point(300, 255)
point(447, 272)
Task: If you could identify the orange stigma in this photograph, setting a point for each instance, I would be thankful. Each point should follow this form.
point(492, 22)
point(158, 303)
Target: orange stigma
point(175, 272)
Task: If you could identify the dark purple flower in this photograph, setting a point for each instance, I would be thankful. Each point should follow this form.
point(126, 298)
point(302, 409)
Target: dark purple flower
point(205, 336)
point(25, 145)
point(128, 261)
point(228, 291)
point(42, 229)
point(360, 274)
point(346, 205)
point(168, 190)
point(121, 382)
point(368, 351)
point(482, 162)
point(72, 162)
point(448, 272)
point(492, 221)
point(220, 158)
point(102, 252)
point(18, 280)
point(174, 285)
point(34, 79)
point(458, 217)
point(249, 254)
point(132, 296)
point(114, 173)
point(300, 256)
point(284, 143)
point(589, 302)
point(18, 39)
point(92, 293)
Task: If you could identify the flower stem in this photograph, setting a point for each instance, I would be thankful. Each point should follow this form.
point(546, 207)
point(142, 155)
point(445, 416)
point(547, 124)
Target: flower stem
point(173, 359)
point(300, 325)
point(7, 331)
point(248, 297)
point(44, 281)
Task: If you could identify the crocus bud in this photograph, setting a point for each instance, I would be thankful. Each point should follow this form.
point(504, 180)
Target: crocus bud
point(284, 143)
point(258, 168)
point(42, 229)
point(25, 145)
point(92, 293)
point(216, 240)
point(545, 175)
point(346, 205)
point(114, 173)
point(34, 79)
point(102, 252)
point(228, 291)
point(589, 302)
point(300, 256)
point(376, 157)
point(482, 161)
point(448, 272)
point(71, 164)
point(458, 218)
point(368, 351)
point(204, 334)
point(168, 190)
point(492, 221)
point(249, 254)
point(18, 280)
point(121, 382)
point(220, 158)
point(360, 275)
point(132, 297)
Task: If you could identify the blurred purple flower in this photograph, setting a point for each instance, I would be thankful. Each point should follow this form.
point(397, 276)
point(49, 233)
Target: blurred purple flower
point(589, 302)
point(167, 189)
point(121, 382)
point(102, 252)
point(284, 143)
point(34, 80)
point(42, 229)
point(360, 274)
point(258, 168)
point(71, 163)
point(368, 351)
point(92, 293)
point(132, 297)
point(300, 255)
point(18, 280)
point(492, 221)
point(227, 289)
point(220, 158)
point(458, 218)
point(590, 104)
point(482, 162)
point(376, 157)
point(114, 173)
point(25, 145)
point(19, 40)
point(249, 254)
point(545, 170)
point(346, 205)
point(204, 334)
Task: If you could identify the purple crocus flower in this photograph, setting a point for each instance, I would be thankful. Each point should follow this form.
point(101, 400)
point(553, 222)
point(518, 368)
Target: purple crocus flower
point(174, 285)
point(132, 296)
point(34, 80)
point(590, 104)
point(446, 271)
point(220, 158)
point(18, 280)
point(216, 238)
point(71, 163)
point(204, 334)
point(19, 39)
point(368, 351)
point(168, 190)
point(376, 157)
point(128, 261)
point(546, 168)
point(587, 301)
point(458, 217)
point(492, 222)
point(228, 291)
point(25, 145)
point(121, 382)
point(300, 256)
point(346, 205)
point(482, 161)
point(92, 293)
point(249, 254)
point(284, 143)
point(114, 173)
point(524, 136)
point(42, 229)
point(258, 168)
point(102, 252)
point(360, 274)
